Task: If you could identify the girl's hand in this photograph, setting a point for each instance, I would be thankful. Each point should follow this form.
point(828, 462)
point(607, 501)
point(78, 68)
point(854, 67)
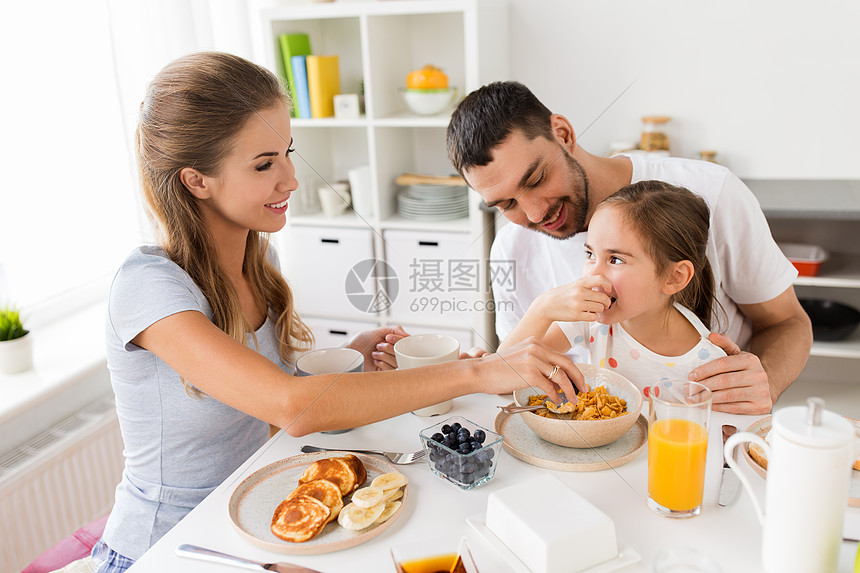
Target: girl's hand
point(528, 364)
point(377, 346)
point(474, 352)
point(581, 300)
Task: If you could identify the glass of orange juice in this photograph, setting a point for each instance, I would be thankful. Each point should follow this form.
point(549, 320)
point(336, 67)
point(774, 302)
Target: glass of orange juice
point(677, 444)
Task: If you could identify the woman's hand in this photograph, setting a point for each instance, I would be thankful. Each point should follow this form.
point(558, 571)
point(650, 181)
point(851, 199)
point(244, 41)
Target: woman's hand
point(581, 300)
point(377, 346)
point(529, 364)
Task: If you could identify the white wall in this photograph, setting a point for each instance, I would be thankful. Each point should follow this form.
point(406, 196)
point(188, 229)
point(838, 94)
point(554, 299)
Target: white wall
point(774, 87)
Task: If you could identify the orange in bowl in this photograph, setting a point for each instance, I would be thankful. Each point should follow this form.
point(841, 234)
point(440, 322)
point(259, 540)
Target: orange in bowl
point(427, 78)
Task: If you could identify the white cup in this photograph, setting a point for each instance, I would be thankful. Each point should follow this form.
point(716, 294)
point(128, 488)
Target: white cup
point(359, 187)
point(422, 350)
point(330, 361)
point(334, 198)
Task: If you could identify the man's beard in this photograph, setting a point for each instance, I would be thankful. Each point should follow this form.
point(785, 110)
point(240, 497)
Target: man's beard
point(575, 205)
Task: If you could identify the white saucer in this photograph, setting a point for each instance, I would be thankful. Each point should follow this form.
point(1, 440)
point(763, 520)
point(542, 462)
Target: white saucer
point(626, 555)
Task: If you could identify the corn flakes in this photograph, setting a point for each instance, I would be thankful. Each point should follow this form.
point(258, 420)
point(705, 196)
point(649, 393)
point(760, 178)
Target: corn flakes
point(596, 404)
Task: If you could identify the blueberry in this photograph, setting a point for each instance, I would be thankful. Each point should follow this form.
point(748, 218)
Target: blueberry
point(469, 467)
point(446, 429)
point(476, 445)
point(437, 437)
point(455, 427)
point(465, 448)
point(480, 435)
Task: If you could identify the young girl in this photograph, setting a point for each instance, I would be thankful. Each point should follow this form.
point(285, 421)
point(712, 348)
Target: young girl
point(644, 306)
point(201, 328)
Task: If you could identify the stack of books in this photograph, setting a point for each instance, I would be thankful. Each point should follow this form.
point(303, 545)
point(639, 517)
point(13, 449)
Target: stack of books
point(313, 80)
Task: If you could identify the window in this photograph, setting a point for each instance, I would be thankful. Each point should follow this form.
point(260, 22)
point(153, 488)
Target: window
point(67, 193)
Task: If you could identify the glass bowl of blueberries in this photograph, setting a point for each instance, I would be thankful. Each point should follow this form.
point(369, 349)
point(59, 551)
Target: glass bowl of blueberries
point(462, 452)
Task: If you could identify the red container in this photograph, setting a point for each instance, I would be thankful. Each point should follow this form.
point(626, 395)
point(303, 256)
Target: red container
point(806, 259)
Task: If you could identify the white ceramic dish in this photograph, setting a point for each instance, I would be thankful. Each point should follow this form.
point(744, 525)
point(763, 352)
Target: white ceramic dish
point(255, 499)
point(626, 555)
point(429, 102)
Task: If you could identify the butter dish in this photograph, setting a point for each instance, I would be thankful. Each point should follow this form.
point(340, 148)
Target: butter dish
point(549, 527)
point(512, 564)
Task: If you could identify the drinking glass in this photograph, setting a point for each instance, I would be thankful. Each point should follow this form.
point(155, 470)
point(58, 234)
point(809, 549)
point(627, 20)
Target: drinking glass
point(677, 447)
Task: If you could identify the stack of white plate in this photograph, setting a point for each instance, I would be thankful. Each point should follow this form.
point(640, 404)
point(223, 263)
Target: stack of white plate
point(433, 202)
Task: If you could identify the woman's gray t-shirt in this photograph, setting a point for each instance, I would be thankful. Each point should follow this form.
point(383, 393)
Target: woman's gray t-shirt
point(177, 448)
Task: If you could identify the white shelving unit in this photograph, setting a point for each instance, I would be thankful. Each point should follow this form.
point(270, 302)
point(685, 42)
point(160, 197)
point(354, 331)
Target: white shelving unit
point(378, 44)
point(826, 213)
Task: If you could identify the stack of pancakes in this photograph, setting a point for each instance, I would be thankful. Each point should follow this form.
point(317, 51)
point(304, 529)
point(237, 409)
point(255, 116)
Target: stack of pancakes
point(319, 497)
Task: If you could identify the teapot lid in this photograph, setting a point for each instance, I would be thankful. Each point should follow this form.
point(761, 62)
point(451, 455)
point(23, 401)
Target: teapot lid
point(812, 425)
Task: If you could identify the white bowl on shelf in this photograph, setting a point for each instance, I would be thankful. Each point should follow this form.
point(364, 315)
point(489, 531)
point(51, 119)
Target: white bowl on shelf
point(429, 102)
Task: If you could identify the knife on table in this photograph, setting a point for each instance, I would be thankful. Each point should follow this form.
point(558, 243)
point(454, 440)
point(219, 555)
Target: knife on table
point(729, 483)
point(195, 552)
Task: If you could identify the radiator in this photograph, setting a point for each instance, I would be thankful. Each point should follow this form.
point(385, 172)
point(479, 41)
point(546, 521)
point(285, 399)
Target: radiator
point(58, 482)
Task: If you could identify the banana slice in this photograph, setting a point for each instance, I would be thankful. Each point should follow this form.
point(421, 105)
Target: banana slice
point(391, 480)
point(367, 497)
point(392, 494)
point(390, 508)
point(354, 517)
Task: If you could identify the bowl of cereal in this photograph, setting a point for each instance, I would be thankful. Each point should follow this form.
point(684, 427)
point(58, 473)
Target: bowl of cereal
point(602, 415)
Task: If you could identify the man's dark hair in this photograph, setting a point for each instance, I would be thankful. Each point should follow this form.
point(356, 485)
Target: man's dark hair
point(487, 116)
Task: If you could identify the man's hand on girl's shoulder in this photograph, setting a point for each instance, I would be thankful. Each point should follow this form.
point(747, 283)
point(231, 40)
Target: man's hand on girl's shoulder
point(738, 381)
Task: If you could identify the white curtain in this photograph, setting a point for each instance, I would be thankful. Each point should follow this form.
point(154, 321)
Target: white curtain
point(147, 34)
point(75, 74)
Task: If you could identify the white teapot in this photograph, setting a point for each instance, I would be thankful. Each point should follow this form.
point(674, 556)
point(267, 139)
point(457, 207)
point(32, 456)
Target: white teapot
point(808, 473)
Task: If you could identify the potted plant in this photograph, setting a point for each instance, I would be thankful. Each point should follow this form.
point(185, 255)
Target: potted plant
point(16, 347)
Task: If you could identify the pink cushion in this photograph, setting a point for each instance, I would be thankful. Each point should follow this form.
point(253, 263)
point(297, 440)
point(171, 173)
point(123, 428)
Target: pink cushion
point(76, 546)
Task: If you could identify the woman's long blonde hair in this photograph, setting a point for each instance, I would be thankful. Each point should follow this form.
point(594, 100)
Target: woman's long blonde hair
point(193, 111)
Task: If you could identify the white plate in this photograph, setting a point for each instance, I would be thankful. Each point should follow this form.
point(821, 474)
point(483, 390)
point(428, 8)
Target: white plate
point(626, 555)
point(433, 217)
point(253, 503)
point(433, 207)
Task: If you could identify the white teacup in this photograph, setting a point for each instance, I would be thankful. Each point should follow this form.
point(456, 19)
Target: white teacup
point(334, 198)
point(425, 349)
point(330, 361)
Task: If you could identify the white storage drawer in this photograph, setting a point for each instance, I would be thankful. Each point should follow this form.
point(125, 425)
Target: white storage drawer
point(329, 333)
point(317, 262)
point(437, 276)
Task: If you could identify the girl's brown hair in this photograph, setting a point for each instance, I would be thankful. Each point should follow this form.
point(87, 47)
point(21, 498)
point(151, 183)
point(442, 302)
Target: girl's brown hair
point(673, 223)
point(193, 110)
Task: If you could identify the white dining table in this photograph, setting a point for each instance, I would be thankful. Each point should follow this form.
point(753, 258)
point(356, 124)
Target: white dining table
point(730, 536)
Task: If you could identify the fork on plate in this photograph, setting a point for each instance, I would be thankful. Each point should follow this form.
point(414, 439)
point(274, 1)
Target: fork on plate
point(400, 458)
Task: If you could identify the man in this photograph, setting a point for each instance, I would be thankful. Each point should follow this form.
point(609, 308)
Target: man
point(523, 159)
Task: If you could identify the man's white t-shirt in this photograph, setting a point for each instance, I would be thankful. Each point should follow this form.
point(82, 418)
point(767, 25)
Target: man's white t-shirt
point(748, 266)
point(610, 346)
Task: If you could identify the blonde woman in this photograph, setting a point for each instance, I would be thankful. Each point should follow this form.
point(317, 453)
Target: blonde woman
point(201, 328)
